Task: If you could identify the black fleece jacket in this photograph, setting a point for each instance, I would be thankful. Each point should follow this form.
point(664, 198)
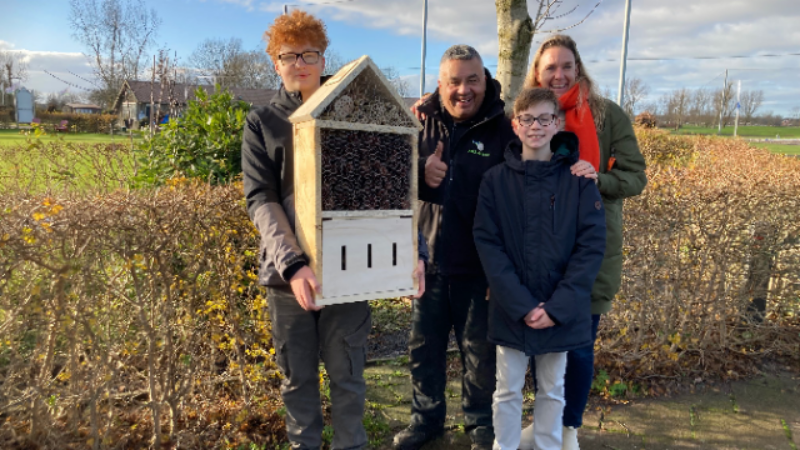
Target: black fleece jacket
point(470, 148)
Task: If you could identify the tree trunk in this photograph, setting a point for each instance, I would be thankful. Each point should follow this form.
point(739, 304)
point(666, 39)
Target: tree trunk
point(514, 32)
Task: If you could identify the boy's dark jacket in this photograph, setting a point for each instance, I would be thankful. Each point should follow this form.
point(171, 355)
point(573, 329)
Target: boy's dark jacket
point(470, 149)
point(541, 234)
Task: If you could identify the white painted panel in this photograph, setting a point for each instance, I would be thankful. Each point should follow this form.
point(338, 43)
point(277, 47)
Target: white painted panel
point(367, 213)
point(358, 281)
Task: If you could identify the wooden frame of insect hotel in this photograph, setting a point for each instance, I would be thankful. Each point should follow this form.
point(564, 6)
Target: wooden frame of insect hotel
point(355, 166)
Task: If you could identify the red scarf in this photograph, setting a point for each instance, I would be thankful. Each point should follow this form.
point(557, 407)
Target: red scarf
point(580, 121)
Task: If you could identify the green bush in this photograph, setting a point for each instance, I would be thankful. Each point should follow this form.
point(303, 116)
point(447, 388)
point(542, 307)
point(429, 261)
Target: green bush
point(205, 142)
point(81, 123)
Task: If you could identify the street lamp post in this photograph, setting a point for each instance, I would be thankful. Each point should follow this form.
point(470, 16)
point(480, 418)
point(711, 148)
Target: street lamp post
point(424, 41)
point(625, 34)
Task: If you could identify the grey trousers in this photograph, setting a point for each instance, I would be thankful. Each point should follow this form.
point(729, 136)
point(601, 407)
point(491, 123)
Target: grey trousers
point(337, 333)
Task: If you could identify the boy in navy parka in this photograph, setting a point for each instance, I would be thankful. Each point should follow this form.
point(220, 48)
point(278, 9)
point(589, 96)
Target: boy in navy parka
point(540, 234)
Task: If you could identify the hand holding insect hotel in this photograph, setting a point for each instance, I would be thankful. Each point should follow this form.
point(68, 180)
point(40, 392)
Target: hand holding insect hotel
point(355, 193)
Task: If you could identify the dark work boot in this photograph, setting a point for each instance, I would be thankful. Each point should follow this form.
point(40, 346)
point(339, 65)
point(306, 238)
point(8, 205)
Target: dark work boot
point(482, 438)
point(414, 437)
point(481, 446)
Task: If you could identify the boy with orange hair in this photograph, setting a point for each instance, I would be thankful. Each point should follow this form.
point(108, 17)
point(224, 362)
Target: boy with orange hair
point(301, 331)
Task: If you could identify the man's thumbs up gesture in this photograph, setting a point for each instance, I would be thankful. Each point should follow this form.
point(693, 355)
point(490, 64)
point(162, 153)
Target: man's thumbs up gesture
point(435, 168)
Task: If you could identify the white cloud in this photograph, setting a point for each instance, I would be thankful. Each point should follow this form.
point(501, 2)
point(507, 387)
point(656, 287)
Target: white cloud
point(247, 4)
point(69, 67)
point(680, 29)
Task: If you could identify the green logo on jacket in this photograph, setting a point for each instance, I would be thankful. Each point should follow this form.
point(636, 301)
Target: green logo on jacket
point(478, 150)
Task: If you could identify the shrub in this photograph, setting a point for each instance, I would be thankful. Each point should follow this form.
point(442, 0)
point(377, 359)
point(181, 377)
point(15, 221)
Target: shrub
point(711, 276)
point(646, 120)
point(81, 123)
point(205, 142)
point(129, 316)
point(133, 316)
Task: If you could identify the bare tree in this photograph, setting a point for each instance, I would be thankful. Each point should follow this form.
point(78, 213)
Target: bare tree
point(751, 101)
point(116, 34)
point(607, 92)
point(769, 118)
point(635, 91)
point(701, 109)
point(12, 67)
point(333, 62)
point(515, 31)
point(215, 60)
point(226, 63)
point(258, 71)
point(402, 86)
point(724, 104)
point(677, 106)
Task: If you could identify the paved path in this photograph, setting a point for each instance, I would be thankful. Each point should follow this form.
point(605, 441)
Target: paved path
point(759, 414)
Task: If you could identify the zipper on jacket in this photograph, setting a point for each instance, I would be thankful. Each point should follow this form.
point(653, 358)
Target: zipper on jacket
point(553, 211)
point(451, 170)
point(452, 151)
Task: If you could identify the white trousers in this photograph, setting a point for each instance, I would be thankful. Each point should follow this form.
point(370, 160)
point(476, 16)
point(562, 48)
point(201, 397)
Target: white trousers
point(507, 399)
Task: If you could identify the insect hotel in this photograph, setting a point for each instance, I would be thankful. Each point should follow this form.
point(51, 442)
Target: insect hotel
point(355, 165)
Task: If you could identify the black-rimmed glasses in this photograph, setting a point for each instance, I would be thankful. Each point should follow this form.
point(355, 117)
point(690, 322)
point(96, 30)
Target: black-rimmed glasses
point(528, 120)
point(308, 57)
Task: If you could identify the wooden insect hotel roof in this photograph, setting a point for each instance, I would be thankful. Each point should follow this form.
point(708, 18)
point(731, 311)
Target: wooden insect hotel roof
point(358, 93)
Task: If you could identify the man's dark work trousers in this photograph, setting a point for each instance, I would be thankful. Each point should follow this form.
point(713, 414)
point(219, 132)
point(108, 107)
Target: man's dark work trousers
point(457, 302)
point(338, 333)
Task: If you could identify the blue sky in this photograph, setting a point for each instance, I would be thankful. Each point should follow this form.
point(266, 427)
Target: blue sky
point(389, 31)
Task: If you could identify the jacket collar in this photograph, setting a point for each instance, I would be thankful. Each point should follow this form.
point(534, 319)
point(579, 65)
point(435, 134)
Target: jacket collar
point(492, 104)
point(565, 151)
point(289, 101)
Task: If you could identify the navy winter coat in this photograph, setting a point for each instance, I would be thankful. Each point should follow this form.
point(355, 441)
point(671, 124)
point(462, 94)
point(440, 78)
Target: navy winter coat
point(540, 232)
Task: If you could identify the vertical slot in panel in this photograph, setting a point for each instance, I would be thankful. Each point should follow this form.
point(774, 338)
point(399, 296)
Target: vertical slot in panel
point(394, 254)
point(344, 257)
point(369, 256)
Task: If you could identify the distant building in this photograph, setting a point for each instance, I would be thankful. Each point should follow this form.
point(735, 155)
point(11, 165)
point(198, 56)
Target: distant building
point(81, 108)
point(133, 102)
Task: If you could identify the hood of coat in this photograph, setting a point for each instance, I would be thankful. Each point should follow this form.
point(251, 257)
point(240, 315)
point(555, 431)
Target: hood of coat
point(289, 101)
point(492, 104)
point(565, 151)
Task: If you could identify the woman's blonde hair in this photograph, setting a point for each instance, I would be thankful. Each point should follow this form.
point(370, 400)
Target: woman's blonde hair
point(589, 92)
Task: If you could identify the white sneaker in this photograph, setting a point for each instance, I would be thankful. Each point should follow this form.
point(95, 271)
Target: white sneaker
point(569, 439)
point(526, 438)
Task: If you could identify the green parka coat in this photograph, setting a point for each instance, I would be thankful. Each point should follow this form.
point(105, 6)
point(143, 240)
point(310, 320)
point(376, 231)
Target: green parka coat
point(625, 178)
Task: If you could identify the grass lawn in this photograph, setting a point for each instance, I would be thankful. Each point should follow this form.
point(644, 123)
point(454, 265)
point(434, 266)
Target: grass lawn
point(11, 137)
point(744, 131)
point(778, 148)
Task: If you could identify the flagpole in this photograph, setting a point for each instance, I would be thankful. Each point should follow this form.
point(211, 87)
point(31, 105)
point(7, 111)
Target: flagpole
point(738, 107)
point(424, 45)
